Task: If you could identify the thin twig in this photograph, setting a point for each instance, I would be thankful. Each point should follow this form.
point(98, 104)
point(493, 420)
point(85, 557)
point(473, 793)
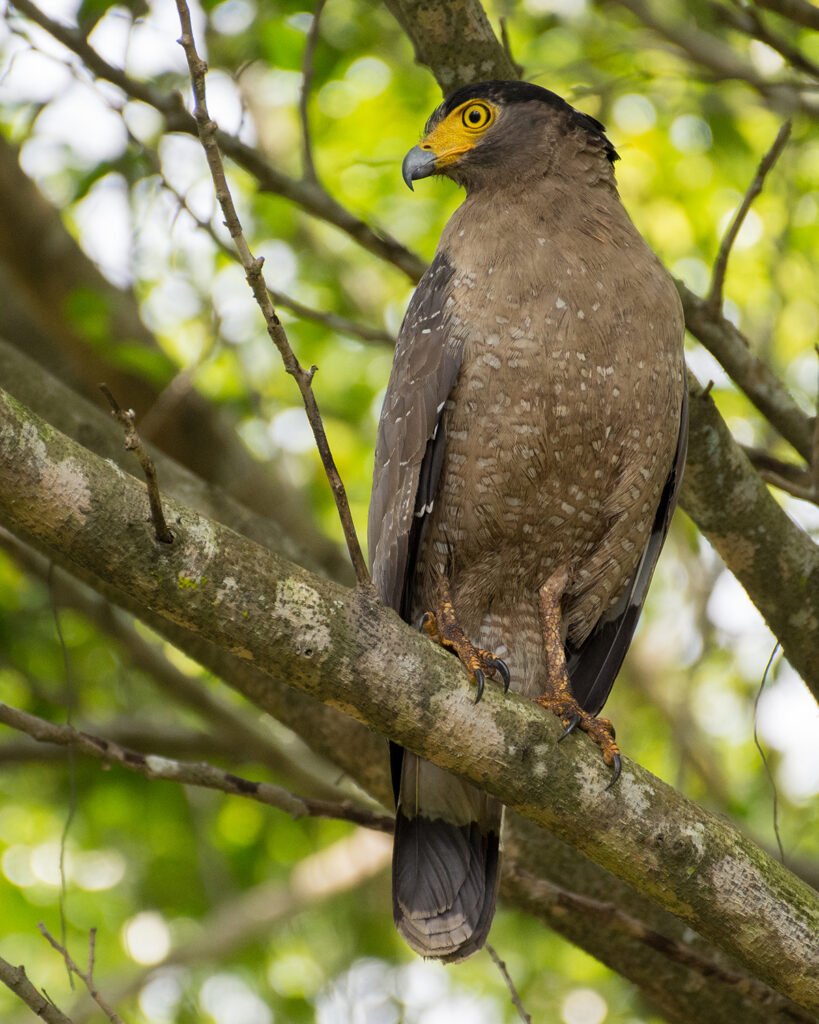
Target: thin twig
point(133, 443)
point(736, 355)
point(513, 992)
point(745, 18)
point(189, 774)
point(87, 977)
point(308, 195)
point(253, 270)
point(787, 476)
point(72, 774)
point(765, 764)
point(714, 299)
point(14, 978)
point(721, 60)
point(307, 71)
point(332, 321)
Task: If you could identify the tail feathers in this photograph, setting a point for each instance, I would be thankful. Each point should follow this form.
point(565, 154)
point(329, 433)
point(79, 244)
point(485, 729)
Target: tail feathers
point(445, 872)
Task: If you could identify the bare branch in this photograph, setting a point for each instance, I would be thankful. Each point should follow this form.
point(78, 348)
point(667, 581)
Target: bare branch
point(714, 299)
point(87, 977)
point(133, 443)
point(721, 60)
point(308, 195)
point(253, 270)
point(732, 350)
point(745, 18)
point(15, 979)
point(333, 321)
point(205, 775)
point(799, 11)
point(513, 992)
point(304, 95)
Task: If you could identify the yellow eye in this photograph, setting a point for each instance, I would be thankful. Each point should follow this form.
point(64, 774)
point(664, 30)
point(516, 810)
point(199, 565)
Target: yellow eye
point(476, 116)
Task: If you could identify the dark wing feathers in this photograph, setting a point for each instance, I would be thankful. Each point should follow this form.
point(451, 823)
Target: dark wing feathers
point(409, 449)
point(594, 665)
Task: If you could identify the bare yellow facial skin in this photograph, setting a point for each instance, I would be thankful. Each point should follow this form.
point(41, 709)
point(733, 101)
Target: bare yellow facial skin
point(459, 131)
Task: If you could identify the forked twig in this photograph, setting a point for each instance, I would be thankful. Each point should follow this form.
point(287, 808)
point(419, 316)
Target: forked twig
point(714, 300)
point(133, 443)
point(253, 270)
point(87, 977)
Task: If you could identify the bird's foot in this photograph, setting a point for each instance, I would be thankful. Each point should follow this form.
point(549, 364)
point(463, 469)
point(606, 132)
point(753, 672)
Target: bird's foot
point(443, 628)
point(599, 729)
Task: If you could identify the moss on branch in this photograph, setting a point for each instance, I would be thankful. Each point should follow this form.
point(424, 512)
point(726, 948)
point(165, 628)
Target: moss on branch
point(347, 651)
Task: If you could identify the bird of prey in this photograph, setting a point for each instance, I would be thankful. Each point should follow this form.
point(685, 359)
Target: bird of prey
point(528, 459)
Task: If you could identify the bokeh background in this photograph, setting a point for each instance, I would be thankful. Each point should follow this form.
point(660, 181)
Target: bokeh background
point(212, 908)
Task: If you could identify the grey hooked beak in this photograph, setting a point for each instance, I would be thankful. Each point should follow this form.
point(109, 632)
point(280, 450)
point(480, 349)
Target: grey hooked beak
point(418, 163)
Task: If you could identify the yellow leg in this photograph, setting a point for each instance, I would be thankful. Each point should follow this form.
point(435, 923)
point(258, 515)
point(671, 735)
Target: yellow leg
point(442, 627)
point(558, 696)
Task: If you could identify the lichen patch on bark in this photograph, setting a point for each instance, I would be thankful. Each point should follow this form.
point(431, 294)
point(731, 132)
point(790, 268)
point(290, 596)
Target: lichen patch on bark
point(302, 610)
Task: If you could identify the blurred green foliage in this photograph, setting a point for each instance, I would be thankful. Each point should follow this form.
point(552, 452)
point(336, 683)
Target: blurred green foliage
point(148, 855)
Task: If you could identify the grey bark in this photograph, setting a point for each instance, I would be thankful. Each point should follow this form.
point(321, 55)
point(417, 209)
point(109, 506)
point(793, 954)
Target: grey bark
point(344, 649)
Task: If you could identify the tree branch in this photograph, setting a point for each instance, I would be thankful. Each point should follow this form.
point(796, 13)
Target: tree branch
point(776, 562)
point(310, 196)
point(721, 60)
point(343, 648)
point(707, 986)
point(359, 752)
point(42, 270)
point(432, 27)
point(87, 977)
point(713, 300)
point(801, 12)
point(732, 350)
point(15, 979)
point(253, 270)
point(151, 766)
point(307, 70)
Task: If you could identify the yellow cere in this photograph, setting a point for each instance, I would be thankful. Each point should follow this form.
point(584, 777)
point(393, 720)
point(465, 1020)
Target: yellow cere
point(460, 130)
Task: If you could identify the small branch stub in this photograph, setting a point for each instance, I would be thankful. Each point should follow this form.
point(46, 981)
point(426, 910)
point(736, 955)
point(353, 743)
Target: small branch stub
point(133, 443)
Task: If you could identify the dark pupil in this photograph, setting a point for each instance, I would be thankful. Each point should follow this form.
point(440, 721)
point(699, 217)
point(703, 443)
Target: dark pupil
point(475, 116)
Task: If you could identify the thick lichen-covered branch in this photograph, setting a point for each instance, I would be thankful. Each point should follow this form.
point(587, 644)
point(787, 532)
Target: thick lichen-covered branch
point(776, 562)
point(347, 651)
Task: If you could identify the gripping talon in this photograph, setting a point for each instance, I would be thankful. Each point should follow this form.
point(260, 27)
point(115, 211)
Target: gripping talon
point(617, 765)
point(503, 670)
point(479, 679)
point(574, 721)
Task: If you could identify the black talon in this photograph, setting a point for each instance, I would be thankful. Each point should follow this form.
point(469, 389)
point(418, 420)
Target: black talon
point(422, 621)
point(617, 769)
point(503, 669)
point(479, 679)
point(573, 723)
